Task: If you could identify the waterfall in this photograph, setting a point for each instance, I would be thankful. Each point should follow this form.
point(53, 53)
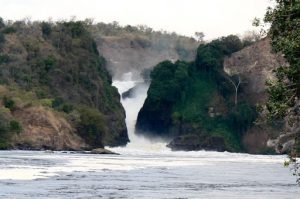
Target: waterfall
point(132, 105)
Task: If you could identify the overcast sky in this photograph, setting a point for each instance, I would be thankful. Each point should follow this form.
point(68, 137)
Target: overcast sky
point(213, 17)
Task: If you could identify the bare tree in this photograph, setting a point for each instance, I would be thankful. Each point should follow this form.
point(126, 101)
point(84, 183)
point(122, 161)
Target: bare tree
point(236, 88)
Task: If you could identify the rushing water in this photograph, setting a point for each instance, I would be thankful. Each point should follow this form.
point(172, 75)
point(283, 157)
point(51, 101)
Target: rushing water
point(144, 170)
point(138, 174)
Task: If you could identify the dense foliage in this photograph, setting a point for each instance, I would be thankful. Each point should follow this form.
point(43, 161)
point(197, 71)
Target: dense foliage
point(197, 98)
point(284, 33)
point(285, 90)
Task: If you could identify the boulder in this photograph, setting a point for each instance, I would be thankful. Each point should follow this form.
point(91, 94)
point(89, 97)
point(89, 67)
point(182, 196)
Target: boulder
point(192, 142)
point(103, 151)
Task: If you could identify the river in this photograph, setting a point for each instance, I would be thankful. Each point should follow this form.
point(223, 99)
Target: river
point(144, 169)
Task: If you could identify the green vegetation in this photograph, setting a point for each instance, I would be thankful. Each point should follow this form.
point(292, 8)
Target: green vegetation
point(8, 103)
point(210, 56)
point(285, 90)
point(9, 30)
point(46, 28)
point(4, 59)
point(197, 98)
point(4, 130)
point(92, 126)
point(15, 126)
point(57, 65)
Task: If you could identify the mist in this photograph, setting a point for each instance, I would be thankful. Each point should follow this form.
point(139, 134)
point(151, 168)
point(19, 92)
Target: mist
point(132, 106)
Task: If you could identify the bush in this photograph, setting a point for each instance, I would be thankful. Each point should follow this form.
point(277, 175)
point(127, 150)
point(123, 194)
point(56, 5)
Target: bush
point(9, 30)
point(4, 58)
point(2, 38)
point(4, 128)
point(46, 28)
point(46, 102)
point(49, 63)
point(9, 103)
point(15, 126)
point(91, 126)
point(210, 56)
point(2, 24)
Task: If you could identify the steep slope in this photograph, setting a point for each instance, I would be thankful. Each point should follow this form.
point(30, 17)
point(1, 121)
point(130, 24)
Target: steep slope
point(256, 64)
point(68, 89)
point(134, 49)
point(195, 103)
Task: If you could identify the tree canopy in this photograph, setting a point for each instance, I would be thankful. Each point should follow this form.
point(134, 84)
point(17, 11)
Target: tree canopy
point(285, 90)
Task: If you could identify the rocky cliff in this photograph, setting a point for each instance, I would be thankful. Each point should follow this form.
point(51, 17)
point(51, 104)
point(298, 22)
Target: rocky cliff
point(256, 64)
point(133, 49)
point(196, 103)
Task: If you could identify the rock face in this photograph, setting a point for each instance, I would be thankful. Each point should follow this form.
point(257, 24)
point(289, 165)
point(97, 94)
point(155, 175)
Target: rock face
point(133, 91)
point(102, 151)
point(198, 110)
point(194, 142)
point(134, 53)
point(289, 139)
point(44, 129)
point(255, 64)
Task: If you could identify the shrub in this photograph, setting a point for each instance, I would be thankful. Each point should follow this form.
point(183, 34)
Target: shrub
point(46, 28)
point(4, 58)
point(91, 126)
point(2, 24)
point(9, 30)
point(4, 128)
point(2, 38)
point(46, 102)
point(9, 103)
point(15, 126)
point(49, 62)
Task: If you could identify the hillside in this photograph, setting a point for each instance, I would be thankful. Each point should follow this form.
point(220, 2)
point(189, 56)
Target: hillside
point(56, 92)
point(196, 105)
point(136, 48)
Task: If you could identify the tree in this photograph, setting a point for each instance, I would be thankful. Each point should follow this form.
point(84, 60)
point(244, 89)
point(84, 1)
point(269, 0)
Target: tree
point(200, 36)
point(2, 24)
point(236, 85)
point(285, 90)
point(46, 28)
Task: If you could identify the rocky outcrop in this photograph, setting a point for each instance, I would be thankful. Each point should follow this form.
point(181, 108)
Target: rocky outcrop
point(192, 142)
point(289, 139)
point(130, 93)
point(255, 64)
point(134, 53)
point(205, 114)
point(103, 151)
point(44, 129)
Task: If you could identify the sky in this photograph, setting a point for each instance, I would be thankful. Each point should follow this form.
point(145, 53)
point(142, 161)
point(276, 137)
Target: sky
point(213, 17)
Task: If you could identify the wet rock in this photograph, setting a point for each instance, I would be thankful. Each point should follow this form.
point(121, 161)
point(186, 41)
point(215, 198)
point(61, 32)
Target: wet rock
point(195, 142)
point(102, 151)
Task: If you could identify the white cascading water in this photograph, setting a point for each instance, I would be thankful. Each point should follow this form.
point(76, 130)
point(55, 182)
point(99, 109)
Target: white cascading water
point(132, 106)
point(144, 169)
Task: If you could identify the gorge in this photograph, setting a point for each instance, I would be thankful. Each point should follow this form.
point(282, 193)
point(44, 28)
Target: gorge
point(164, 102)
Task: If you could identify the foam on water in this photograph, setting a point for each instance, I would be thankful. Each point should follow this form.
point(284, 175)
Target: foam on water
point(145, 169)
point(132, 107)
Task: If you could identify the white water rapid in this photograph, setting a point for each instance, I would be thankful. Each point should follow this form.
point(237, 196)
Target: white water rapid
point(144, 170)
point(132, 106)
